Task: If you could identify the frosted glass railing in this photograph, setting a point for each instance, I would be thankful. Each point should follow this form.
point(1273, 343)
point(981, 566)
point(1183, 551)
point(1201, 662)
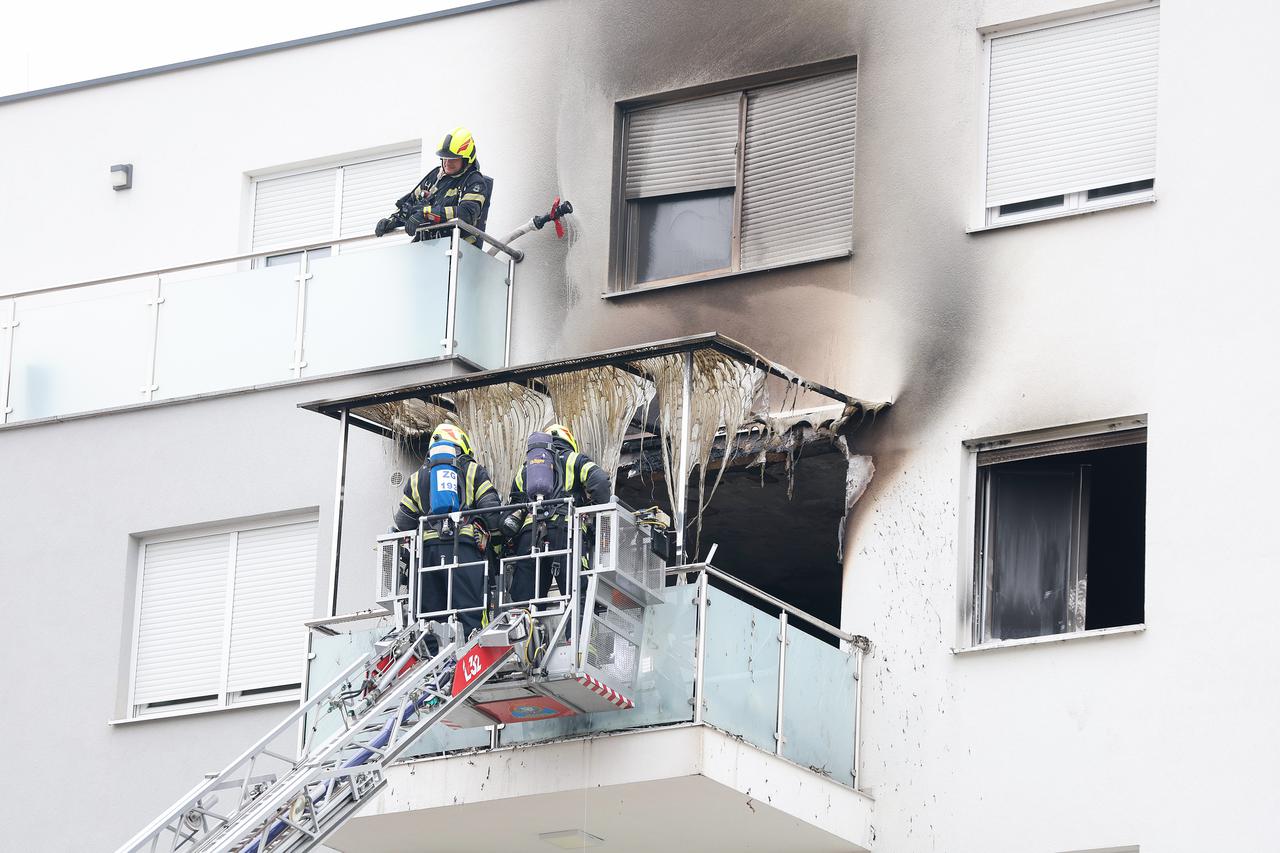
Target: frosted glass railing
point(483, 290)
point(741, 692)
point(243, 323)
point(779, 688)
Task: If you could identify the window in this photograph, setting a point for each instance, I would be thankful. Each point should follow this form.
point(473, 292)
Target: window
point(1060, 538)
point(1071, 115)
point(743, 180)
point(334, 202)
point(218, 617)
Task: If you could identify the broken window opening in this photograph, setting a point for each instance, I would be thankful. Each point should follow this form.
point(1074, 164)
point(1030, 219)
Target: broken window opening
point(1061, 537)
point(780, 510)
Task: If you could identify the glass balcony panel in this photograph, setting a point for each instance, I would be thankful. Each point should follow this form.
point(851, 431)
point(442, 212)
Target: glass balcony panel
point(741, 689)
point(81, 349)
point(333, 654)
point(741, 670)
point(226, 331)
point(481, 323)
point(664, 691)
point(819, 706)
point(376, 307)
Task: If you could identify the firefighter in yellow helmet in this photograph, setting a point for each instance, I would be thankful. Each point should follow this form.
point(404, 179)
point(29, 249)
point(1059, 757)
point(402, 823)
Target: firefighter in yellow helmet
point(553, 468)
point(453, 190)
point(450, 481)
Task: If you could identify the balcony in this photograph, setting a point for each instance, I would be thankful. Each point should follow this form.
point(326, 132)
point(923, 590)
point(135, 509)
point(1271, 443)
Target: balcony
point(251, 321)
point(745, 708)
point(743, 729)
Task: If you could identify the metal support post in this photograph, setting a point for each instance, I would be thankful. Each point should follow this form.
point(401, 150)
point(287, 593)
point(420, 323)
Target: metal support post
point(150, 387)
point(300, 322)
point(778, 737)
point(682, 481)
point(571, 577)
point(450, 345)
point(337, 511)
point(857, 718)
point(699, 671)
point(7, 324)
point(511, 290)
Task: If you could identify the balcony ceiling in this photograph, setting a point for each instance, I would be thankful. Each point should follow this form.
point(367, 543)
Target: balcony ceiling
point(532, 372)
point(688, 788)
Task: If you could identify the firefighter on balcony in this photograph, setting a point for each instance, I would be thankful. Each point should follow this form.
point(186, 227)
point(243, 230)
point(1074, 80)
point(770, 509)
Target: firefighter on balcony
point(454, 190)
point(449, 481)
point(553, 468)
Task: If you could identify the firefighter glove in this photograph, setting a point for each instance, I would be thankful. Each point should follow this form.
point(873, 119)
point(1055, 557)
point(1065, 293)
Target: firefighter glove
point(511, 525)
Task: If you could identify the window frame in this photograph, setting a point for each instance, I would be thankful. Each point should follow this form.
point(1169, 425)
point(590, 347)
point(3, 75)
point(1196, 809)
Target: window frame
point(622, 262)
point(226, 699)
point(984, 218)
point(972, 600)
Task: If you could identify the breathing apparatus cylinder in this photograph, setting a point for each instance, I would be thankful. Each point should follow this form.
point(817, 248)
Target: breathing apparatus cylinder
point(443, 477)
point(540, 468)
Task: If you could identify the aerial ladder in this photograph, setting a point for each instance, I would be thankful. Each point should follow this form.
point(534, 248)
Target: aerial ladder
point(537, 659)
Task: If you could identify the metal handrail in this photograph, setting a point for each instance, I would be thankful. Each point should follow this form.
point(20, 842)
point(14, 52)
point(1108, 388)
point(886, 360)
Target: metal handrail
point(764, 596)
point(515, 254)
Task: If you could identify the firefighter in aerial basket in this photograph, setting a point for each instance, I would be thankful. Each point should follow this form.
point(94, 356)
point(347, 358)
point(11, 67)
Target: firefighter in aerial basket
point(450, 481)
point(453, 190)
point(553, 468)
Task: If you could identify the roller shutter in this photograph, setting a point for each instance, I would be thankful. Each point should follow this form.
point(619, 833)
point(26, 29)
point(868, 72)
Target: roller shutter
point(370, 188)
point(798, 173)
point(221, 614)
point(294, 210)
point(274, 583)
point(181, 620)
point(683, 147)
point(1072, 107)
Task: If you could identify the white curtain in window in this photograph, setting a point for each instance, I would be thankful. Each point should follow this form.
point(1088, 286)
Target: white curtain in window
point(797, 201)
point(1072, 107)
point(683, 147)
point(181, 619)
point(369, 189)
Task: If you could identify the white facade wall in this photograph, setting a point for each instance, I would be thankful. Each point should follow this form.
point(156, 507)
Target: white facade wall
point(1163, 738)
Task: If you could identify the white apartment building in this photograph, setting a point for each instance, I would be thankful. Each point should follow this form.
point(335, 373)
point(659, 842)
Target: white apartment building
point(1031, 226)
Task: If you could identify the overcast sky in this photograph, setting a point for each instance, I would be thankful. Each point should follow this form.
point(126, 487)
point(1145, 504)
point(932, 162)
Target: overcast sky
point(52, 43)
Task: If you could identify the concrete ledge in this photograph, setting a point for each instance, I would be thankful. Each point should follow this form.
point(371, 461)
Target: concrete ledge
point(682, 788)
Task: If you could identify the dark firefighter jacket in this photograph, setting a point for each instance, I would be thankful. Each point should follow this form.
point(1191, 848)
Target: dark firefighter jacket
point(478, 493)
point(462, 196)
point(583, 480)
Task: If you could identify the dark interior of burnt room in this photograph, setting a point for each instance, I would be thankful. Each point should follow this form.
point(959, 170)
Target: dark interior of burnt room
point(776, 527)
point(1113, 480)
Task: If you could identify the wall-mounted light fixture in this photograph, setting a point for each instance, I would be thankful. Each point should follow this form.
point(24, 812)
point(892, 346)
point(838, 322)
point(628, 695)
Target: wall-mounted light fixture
point(571, 839)
point(121, 176)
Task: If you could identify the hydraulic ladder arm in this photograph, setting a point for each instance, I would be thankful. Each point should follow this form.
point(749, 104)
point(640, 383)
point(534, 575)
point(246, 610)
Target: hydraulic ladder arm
point(295, 810)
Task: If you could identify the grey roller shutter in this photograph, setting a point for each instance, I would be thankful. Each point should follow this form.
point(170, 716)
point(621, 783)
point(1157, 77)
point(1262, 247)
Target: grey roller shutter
point(682, 147)
point(294, 210)
point(1072, 107)
point(274, 593)
point(370, 189)
point(797, 197)
point(1101, 441)
point(182, 611)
